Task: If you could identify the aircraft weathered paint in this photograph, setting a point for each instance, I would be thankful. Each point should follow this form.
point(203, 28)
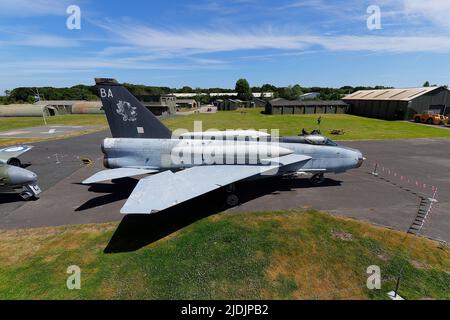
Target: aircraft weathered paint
point(192, 164)
point(163, 154)
point(13, 177)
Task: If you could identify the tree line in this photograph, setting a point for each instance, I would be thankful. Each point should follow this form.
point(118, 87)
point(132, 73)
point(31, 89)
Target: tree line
point(242, 87)
point(30, 95)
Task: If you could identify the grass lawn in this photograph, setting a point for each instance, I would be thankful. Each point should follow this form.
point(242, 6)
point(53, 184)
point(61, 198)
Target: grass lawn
point(275, 255)
point(356, 128)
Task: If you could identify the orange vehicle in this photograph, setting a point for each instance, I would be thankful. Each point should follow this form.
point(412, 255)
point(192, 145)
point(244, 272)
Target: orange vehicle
point(431, 118)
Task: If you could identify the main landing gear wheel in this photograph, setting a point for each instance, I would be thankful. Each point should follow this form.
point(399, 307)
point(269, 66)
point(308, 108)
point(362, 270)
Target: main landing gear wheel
point(317, 179)
point(232, 200)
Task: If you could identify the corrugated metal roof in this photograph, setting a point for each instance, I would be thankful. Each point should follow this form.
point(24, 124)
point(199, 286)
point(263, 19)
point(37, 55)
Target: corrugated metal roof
point(19, 105)
point(154, 104)
point(301, 103)
point(390, 94)
point(222, 94)
point(22, 110)
point(186, 100)
point(87, 104)
point(87, 107)
point(57, 102)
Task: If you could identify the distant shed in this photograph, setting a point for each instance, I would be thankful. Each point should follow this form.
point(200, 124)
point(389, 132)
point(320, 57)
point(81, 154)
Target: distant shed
point(230, 104)
point(27, 110)
point(187, 103)
point(283, 106)
point(157, 108)
point(399, 104)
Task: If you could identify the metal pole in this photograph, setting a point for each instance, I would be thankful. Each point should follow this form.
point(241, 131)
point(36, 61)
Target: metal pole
point(43, 115)
point(397, 286)
point(39, 97)
point(375, 170)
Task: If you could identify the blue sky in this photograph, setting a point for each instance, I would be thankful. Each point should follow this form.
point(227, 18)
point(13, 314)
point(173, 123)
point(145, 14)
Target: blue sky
point(211, 43)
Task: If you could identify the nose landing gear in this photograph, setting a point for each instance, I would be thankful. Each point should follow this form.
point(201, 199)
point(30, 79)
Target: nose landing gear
point(317, 179)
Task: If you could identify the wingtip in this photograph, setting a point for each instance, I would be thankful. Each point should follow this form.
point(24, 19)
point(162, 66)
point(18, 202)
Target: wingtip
point(126, 211)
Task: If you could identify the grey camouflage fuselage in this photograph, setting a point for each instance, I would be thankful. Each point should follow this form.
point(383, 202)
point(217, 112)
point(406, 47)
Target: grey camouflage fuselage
point(168, 154)
point(184, 165)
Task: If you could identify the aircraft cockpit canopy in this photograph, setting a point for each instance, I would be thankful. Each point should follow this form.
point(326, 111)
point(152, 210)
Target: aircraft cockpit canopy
point(319, 140)
point(314, 139)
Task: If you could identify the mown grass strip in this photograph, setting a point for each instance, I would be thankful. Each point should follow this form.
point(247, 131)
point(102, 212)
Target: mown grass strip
point(275, 255)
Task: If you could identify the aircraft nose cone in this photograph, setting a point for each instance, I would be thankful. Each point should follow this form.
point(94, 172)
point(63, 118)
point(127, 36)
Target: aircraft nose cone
point(361, 160)
point(19, 176)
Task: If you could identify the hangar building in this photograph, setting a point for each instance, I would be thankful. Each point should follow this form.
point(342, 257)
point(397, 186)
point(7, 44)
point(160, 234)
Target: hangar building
point(27, 110)
point(62, 106)
point(87, 107)
point(399, 104)
point(283, 106)
point(159, 104)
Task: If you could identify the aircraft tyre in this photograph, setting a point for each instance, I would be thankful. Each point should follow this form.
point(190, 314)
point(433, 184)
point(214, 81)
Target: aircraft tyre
point(232, 200)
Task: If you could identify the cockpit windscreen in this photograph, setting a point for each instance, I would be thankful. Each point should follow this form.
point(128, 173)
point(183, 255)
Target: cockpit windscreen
point(310, 139)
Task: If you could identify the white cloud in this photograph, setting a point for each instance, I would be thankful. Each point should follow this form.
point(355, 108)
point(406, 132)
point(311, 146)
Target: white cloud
point(389, 44)
point(437, 11)
point(61, 65)
point(26, 8)
point(310, 4)
point(190, 42)
point(41, 41)
point(196, 41)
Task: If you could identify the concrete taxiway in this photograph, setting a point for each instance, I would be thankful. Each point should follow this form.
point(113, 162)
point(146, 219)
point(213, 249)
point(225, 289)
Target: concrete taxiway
point(53, 161)
point(45, 132)
point(391, 199)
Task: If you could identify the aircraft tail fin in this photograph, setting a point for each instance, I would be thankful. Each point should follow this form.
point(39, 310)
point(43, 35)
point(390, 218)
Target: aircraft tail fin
point(127, 117)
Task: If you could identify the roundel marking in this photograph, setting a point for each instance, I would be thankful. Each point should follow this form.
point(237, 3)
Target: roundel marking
point(14, 149)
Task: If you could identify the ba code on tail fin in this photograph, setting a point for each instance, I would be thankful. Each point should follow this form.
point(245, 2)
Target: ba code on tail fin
point(127, 117)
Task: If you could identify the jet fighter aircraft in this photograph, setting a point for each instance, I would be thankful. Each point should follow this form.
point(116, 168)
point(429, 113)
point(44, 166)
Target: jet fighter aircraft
point(184, 166)
point(13, 177)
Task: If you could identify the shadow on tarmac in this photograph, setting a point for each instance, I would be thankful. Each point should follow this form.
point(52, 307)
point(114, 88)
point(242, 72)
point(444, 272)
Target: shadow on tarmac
point(10, 198)
point(119, 190)
point(137, 231)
